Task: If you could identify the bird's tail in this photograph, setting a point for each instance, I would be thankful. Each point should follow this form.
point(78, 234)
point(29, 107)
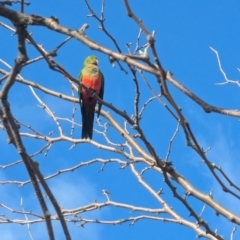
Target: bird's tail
point(87, 124)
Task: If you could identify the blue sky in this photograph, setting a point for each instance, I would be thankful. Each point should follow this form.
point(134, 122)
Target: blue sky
point(184, 31)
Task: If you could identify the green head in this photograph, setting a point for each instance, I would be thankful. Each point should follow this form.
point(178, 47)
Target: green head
point(91, 60)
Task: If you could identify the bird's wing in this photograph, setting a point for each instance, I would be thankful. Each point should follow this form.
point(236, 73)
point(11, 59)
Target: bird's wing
point(101, 94)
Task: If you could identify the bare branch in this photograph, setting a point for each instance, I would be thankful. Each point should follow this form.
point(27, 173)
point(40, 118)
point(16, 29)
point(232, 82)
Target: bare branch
point(223, 73)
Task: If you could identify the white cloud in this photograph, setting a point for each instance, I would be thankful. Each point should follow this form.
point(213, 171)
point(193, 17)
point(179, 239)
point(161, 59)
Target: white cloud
point(7, 234)
point(70, 192)
point(73, 192)
point(226, 155)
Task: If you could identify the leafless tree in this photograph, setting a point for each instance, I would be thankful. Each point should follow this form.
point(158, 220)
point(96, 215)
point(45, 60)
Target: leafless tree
point(120, 138)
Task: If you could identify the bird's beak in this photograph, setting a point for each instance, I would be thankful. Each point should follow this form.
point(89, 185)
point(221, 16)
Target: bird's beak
point(97, 62)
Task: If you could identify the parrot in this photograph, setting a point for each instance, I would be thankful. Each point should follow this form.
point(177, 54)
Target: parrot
point(91, 77)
